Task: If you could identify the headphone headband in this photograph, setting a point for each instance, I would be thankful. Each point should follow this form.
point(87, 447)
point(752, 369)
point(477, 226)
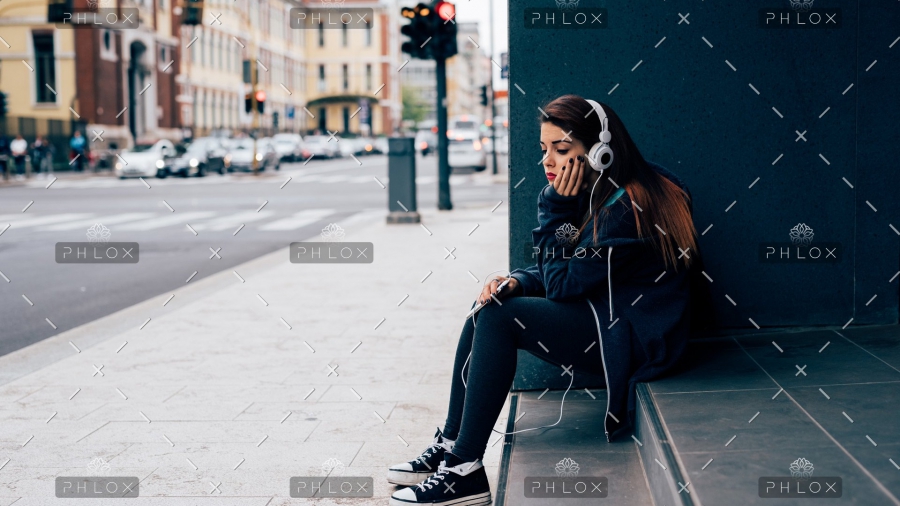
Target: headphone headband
point(600, 112)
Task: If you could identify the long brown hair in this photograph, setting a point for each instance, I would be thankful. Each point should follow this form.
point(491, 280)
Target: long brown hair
point(662, 202)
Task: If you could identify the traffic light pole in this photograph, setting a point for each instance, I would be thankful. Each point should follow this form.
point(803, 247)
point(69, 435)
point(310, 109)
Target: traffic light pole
point(493, 127)
point(491, 98)
point(254, 105)
point(444, 202)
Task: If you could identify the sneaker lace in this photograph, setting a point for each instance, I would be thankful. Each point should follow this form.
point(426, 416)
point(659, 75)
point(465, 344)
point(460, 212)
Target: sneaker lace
point(436, 478)
point(428, 453)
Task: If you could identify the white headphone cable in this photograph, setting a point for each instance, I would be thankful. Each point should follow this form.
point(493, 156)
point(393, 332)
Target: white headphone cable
point(571, 380)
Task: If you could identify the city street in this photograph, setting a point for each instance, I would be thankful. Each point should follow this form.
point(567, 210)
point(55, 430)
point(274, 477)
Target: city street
point(238, 216)
point(222, 389)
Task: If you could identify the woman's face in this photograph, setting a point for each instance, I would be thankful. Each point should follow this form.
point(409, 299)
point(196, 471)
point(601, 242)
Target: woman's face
point(557, 148)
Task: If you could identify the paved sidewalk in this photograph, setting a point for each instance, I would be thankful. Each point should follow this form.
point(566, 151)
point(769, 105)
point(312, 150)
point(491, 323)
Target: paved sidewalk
point(216, 398)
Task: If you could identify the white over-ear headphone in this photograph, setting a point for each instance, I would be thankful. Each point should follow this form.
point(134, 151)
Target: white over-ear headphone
point(600, 156)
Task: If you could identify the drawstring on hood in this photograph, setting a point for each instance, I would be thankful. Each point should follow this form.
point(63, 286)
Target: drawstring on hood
point(609, 280)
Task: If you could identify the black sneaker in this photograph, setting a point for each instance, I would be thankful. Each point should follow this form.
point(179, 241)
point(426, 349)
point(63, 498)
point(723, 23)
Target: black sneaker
point(456, 483)
point(423, 466)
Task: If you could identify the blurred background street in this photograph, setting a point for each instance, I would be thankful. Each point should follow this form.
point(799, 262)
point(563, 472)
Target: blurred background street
point(257, 130)
point(245, 215)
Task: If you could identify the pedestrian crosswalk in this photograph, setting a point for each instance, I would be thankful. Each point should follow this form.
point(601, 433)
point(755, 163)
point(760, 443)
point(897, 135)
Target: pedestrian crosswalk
point(262, 220)
point(318, 178)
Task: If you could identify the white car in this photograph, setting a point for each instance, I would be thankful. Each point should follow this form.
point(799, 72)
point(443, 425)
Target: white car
point(503, 144)
point(145, 160)
point(465, 150)
point(381, 145)
point(322, 146)
point(426, 141)
point(240, 155)
point(288, 146)
point(348, 146)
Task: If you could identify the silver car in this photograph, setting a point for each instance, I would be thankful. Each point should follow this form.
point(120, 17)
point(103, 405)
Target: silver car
point(322, 146)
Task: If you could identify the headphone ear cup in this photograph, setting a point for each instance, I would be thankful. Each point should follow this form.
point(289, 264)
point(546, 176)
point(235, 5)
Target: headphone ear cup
point(600, 156)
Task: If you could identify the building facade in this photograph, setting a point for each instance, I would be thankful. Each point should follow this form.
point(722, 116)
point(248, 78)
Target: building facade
point(160, 79)
point(351, 73)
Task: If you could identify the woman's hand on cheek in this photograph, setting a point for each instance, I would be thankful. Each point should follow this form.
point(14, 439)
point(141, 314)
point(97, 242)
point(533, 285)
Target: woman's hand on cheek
point(571, 176)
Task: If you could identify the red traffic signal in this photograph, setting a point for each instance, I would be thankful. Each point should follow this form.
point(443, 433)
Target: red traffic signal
point(445, 10)
point(260, 96)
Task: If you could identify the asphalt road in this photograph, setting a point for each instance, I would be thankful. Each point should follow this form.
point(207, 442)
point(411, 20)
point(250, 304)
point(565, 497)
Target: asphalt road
point(268, 213)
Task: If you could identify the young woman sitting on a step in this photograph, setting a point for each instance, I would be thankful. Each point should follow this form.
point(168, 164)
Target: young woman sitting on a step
point(608, 295)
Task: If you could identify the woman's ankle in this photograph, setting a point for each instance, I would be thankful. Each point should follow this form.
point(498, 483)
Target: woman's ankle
point(450, 437)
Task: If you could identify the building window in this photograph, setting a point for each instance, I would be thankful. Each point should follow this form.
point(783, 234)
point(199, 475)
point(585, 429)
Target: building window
point(344, 34)
point(346, 119)
point(346, 77)
point(369, 76)
point(44, 67)
point(108, 45)
point(321, 35)
point(321, 77)
point(368, 34)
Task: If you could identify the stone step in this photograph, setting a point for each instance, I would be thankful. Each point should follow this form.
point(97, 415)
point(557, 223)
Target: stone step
point(740, 411)
point(576, 445)
point(744, 408)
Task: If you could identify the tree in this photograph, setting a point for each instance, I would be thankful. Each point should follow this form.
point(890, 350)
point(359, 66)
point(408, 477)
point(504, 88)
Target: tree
point(413, 106)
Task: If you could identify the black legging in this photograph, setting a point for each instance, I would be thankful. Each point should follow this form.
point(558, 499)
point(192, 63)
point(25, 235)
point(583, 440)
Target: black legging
point(565, 329)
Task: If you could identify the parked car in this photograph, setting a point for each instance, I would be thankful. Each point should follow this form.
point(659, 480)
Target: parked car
point(503, 144)
point(463, 122)
point(266, 146)
point(356, 146)
point(215, 150)
point(381, 145)
point(289, 146)
point(240, 155)
point(426, 141)
point(368, 146)
point(322, 146)
point(190, 160)
point(347, 146)
point(465, 150)
point(145, 160)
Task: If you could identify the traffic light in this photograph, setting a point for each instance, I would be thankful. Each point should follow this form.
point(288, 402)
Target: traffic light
point(260, 101)
point(248, 103)
point(484, 96)
point(3, 104)
point(192, 13)
point(433, 26)
point(419, 29)
point(445, 26)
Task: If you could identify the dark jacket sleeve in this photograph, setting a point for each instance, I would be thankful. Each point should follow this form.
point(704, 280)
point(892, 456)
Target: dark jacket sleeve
point(574, 271)
point(530, 282)
point(530, 278)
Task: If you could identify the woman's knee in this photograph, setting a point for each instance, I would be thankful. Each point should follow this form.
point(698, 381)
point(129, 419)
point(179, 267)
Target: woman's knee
point(501, 319)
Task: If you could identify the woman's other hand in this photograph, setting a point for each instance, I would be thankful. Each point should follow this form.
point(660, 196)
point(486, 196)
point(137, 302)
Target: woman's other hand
point(570, 178)
point(491, 288)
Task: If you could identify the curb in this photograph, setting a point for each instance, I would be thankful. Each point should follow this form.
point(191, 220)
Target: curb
point(655, 444)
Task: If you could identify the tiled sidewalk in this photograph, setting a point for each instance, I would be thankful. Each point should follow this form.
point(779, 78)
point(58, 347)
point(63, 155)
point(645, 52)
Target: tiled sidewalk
point(216, 398)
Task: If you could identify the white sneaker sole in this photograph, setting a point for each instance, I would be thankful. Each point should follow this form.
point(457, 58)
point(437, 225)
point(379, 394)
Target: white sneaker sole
point(407, 478)
point(483, 499)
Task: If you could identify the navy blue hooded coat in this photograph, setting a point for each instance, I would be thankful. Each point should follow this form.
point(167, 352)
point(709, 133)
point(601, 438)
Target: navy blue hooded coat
point(648, 305)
